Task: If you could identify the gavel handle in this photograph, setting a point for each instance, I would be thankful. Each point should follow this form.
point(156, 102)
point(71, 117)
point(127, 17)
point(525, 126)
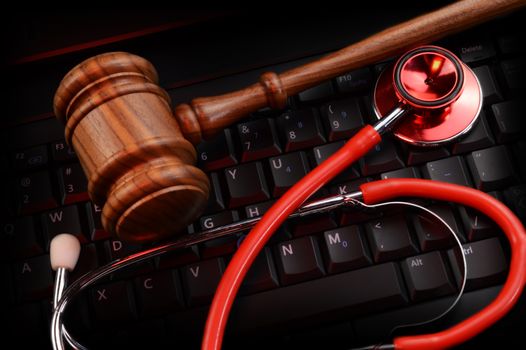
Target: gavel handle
point(205, 116)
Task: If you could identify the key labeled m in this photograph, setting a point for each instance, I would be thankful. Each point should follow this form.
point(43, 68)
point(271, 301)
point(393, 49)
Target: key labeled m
point(334, 239)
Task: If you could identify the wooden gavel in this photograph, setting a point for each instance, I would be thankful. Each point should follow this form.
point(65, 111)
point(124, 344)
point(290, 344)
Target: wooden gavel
point(139, 157)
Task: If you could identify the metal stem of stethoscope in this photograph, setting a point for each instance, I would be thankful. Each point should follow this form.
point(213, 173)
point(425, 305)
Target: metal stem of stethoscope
point(61, 282)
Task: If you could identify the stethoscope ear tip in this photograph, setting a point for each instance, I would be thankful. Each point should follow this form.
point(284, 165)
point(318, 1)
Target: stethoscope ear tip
point(64, 251)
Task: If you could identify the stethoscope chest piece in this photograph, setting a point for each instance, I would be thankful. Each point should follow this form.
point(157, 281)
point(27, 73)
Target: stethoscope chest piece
point(442, 93)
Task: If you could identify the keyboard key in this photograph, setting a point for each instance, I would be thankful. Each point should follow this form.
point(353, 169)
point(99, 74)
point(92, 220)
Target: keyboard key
point(514, 73)
point(73, 185)
point(215, 201)
point(476, 225)
point(258, 139)
point(246, 184)
point(340, 335)
point(150, 333)
point(7, 294)
point(61, 152)
point(345, 249)
point(33, 278)
point(430, 232)
point(307, 225)
point(262, 274)
point(217, 153)
point(30, 158)
point(35, 194)
point(88, 261)
point(355, 81)
point(342, 118)
point(380, 325)
point(419, 155)
point(426, 276)
point(389, 238)
point(256, 210)
point(286, 170)
point(405, 173)
point(351, 216)
point(319, 92)
point(519, 149)
point(516, 199)
point(36, 133)
point(219, 246)
point(95, 229)
point(452, 170)
point(383, 157)
point(321, 153)
point(508, 121)
point(115, 249)
point(490, 88)
point(62, 220)
point(491, 168)
point(299, 260)
point(27, 325)
point(200, 280)
point(113, 304)
point(224, 218)
point(511, 44)
point(20, 239)
point(379, 288)
point(178, 258)
point(479, 137)
point(158, 293)
point(476, 51)
point(486, 263)
point(300, 129)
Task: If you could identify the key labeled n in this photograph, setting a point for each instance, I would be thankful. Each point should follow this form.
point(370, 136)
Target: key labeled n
point(286, 249)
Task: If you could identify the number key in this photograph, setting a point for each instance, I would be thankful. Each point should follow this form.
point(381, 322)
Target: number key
point(342, 118)
point(73, 184)
point(216, 153)
point(34, 193)
point(258, 139)
point(301, 129)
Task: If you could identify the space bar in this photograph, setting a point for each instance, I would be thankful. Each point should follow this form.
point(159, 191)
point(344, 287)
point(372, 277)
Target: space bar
point(344, 295)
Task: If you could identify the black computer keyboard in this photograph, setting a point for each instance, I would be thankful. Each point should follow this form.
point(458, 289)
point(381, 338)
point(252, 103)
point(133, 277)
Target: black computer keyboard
point(336, 280)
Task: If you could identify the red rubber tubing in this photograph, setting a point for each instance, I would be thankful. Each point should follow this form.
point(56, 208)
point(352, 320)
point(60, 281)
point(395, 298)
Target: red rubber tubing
point(375, 192)
point(254, 242)
point(379, 191)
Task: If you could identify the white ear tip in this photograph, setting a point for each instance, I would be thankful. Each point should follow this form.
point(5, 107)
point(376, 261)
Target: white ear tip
point(64, 251)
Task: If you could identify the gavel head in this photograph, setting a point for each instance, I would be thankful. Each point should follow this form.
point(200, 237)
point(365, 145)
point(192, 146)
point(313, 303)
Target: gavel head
point(138, 164)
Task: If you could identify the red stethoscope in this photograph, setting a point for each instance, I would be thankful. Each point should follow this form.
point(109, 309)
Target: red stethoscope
point(428, 97)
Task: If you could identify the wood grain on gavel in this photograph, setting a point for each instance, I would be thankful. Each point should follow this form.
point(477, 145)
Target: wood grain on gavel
point(139, 158)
